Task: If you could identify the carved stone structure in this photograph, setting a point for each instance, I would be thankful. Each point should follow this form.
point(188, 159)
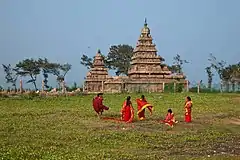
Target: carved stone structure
point(97, 75)
point(147, 72)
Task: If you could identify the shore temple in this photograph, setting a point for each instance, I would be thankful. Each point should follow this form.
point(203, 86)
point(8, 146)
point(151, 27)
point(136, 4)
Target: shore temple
point(146, 74)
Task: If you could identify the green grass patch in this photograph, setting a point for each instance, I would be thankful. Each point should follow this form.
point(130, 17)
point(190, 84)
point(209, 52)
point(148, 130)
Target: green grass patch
point(67, 128)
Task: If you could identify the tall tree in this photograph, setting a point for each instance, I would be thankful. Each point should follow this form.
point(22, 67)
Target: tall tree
point(217, 65)
point(173, 68)
point(231, 75)
point(11, 74)
point(119, 58)
point(31, 68)
point(177, 64)
point(64, 69)
point(210, 76)
point(86, 61)
point(59, 71)
point(56, 69)
point(45, 66)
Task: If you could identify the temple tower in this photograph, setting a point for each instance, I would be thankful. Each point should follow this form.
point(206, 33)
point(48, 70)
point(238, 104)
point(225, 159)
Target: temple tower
point(145, 61)
point(97, 75)
point(147, 72)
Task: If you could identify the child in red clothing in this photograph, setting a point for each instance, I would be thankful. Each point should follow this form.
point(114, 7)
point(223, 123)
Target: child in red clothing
point(169, 119)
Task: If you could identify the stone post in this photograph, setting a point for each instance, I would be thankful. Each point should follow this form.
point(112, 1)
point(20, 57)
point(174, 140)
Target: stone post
point(174, 86)
point(21, 86)
point(102, 86)
point(198, 87)
point(83, 87)
point(63, 87)
point(42, 85)
point(163, 86)
point(221, 85)
point(187, 86)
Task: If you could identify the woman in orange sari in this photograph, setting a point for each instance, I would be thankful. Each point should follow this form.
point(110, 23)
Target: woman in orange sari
point(127, 111)
point(188, 110)
point(142, 105)
point(169, 119)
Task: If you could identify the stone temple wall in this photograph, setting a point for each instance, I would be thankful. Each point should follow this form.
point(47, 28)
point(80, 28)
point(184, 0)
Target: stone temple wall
point(113, 88)
point(144, 87)
point(94, 86)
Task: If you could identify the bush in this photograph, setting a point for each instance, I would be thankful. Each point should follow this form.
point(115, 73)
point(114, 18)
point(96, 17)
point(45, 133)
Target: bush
point(169, 87)
point(203, 90)
point(179, 87)
point(3, 95)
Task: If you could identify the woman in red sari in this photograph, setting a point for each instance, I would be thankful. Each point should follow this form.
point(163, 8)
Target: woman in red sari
point(127, 111)
point(188, 110)
point(169, 119)
point(142, 105)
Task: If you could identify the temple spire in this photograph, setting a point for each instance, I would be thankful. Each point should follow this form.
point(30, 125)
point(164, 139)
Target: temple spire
point(99, 51)
point(145, 22)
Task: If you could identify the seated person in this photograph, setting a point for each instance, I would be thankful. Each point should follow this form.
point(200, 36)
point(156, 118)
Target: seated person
point(169, 119)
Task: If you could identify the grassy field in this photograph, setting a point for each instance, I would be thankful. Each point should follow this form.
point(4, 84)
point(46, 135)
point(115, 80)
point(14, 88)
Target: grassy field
point(67, 128)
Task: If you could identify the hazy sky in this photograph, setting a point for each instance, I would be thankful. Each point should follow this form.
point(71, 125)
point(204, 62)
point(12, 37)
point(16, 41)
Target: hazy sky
point(62, 30)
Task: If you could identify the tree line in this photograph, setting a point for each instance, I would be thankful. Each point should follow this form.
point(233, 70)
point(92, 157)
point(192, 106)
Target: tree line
point(228, 74)
point(31, 68)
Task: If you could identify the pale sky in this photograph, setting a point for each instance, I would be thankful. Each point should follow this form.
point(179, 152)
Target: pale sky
point(62, 30)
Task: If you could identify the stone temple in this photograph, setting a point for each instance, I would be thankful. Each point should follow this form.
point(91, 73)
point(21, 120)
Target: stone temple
point(146, 74)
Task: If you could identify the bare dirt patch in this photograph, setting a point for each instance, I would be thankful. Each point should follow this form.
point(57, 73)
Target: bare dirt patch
point(232, 121)
point(236, 99)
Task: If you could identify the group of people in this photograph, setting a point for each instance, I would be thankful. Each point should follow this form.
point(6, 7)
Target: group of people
point(127, 110)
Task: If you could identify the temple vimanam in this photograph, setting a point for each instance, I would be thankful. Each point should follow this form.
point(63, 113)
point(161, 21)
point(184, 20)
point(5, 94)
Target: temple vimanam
point(146, 74)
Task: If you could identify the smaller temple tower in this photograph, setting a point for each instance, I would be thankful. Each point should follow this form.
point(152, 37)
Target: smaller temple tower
point(97, 75)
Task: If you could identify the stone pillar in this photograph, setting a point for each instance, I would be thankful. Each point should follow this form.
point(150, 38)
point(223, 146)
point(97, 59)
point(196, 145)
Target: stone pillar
point(187, 86)
point(221, 85)
point(198, 87)
point(87, 87)
point(83, 87)
point(63, 87)
point(102, 86)
point(21, 86)
point(163, 86)
point(174, 86)
point(42, 85)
